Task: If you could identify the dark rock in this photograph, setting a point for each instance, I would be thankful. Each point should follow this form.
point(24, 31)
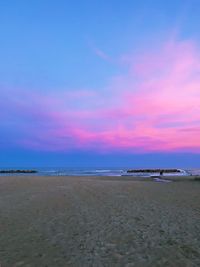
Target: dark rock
point(154, 170)
point(18, 171)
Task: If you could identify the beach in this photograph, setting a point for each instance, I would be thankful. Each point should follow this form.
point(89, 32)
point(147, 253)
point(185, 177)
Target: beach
point(67, 221)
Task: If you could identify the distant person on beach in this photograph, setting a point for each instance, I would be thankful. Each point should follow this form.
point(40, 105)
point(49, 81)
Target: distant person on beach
point(161, 173)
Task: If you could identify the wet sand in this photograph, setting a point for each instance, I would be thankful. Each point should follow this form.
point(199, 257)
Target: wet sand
point(98, 221)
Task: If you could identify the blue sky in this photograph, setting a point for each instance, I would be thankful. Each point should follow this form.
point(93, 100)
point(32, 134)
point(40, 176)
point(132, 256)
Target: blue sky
point(72, 63)
point(47, 44)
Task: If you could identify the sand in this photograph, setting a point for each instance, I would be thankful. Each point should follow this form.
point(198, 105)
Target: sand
point(98, 221)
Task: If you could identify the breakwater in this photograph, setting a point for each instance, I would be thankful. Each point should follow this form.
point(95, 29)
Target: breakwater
point(18, 171)
point(154, 170)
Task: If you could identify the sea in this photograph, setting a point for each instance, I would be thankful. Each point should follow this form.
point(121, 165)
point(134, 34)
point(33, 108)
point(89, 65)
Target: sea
point(63, 171)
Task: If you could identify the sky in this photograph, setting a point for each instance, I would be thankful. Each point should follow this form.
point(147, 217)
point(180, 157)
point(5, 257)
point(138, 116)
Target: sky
point(100, 83)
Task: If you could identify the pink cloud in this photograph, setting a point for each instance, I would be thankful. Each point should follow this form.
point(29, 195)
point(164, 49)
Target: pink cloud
point(155, 106)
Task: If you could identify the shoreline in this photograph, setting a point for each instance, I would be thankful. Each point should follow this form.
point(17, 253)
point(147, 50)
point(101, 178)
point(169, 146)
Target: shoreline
point(175, 178)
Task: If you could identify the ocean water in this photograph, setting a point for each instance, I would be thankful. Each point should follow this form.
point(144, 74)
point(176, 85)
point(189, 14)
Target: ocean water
point(106, 172)
point(82, 171)
point(99, 172)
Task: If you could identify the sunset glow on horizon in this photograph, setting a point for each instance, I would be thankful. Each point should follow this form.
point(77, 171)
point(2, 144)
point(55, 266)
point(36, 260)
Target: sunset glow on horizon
point(154, 106)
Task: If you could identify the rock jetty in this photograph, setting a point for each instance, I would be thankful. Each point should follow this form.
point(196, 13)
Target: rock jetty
point(18, 171)
point(153, 170)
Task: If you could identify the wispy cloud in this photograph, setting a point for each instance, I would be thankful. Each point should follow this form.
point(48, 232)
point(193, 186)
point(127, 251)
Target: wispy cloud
point(154, 106)
point(100, 53)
